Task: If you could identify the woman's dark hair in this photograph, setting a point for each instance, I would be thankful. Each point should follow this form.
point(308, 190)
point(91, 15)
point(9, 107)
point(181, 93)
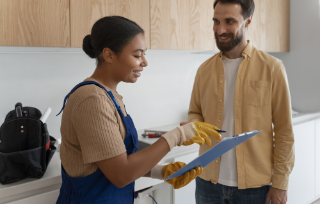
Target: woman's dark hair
point(113, 32)
point(246, 5)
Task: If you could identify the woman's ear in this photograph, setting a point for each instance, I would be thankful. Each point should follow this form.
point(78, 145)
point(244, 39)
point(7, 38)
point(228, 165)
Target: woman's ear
point(108, 55)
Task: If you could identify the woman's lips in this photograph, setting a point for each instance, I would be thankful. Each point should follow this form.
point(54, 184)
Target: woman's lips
point(137, 73)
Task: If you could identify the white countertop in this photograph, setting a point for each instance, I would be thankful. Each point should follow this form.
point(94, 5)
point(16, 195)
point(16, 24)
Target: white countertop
point(304, 117)
point(51, 177)
point(53, 173)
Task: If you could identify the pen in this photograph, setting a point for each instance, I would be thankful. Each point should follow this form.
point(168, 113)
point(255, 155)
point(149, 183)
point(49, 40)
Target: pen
point(221, 131)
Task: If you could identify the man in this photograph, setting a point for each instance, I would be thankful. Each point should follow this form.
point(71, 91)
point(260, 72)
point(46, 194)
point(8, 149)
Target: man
point(243, 89)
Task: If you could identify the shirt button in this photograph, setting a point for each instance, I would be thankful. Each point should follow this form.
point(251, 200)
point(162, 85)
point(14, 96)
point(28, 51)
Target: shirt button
point(220, 100)
point(219, 120)
point(220, 82)
point(218, 140)
point(217, 161)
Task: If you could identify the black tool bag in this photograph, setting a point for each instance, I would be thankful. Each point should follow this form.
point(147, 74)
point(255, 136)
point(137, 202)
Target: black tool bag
point(26, 147)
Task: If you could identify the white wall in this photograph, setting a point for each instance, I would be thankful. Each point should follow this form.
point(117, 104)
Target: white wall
point(41, 77)
point(302, 62)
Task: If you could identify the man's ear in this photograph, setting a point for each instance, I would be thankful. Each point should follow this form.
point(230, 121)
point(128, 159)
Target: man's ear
point(248, 22)
point(108, 55)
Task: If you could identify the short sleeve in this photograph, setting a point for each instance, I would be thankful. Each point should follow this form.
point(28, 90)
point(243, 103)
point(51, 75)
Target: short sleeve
point(97, 129)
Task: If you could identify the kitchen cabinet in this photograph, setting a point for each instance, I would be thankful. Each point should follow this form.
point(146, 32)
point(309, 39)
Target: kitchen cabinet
point(165, 193)
point(47, 198)
point(317, 147)
point(84, 13)
point(168, 24)
point(186, 194)
point(181, 24)
point(187, 25)
point(34, 23)
point(302, 178)
point(270, 27)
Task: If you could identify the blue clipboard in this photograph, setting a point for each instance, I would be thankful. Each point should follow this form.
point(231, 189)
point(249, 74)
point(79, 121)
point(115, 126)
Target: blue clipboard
point(206, 158)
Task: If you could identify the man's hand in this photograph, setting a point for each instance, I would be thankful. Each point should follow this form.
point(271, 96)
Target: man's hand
point(277, 196)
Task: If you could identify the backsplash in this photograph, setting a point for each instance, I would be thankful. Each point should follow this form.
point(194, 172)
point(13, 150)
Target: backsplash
point(41, 79)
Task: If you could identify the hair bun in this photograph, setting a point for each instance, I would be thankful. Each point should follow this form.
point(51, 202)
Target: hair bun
point(87, 47)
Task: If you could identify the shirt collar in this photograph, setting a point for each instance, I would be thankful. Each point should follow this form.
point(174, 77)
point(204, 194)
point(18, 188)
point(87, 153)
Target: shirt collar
point(246, 52)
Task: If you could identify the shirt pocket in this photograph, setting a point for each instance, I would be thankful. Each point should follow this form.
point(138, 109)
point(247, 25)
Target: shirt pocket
point(258, 93)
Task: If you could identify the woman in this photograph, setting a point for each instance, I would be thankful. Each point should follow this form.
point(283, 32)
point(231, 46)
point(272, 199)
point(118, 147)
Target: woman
point(99, 163)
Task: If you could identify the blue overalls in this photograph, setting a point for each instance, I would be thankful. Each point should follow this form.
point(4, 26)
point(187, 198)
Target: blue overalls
point(96, 188)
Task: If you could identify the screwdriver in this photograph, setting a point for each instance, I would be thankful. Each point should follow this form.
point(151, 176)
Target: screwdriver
point(153, 134)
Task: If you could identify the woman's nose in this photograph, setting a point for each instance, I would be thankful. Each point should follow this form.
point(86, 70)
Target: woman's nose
point(144, 63)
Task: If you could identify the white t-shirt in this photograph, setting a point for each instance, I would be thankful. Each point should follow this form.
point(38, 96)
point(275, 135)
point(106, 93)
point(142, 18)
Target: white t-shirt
point(228, 175)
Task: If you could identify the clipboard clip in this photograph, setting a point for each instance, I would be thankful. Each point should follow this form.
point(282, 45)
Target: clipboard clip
point(243, 134)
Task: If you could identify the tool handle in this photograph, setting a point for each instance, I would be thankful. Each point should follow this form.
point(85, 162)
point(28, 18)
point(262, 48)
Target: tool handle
point(153, 134)
point(18, 108)
point(45, 115)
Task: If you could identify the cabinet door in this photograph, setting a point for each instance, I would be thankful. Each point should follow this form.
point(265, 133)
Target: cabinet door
point(185, 195)
point(302, 178)
point(270, 28)
point(84, 13)
point(182, 24)
point(47, 198)
point(317, 158)
point(35, 23)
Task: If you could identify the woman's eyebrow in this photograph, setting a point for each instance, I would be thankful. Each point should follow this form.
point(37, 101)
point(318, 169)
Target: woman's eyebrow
point(139, 50)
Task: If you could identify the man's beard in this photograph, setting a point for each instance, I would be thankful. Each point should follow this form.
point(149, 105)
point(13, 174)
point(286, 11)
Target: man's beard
point(228, 46)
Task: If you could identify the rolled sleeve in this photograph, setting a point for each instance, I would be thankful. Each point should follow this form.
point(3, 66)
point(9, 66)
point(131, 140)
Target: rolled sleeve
point(284, 155)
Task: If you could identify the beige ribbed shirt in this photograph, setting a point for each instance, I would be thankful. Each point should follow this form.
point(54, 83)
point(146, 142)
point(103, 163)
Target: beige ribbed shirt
point(91, 130)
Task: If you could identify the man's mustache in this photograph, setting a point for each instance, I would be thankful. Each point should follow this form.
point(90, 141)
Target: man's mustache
point(224, 35)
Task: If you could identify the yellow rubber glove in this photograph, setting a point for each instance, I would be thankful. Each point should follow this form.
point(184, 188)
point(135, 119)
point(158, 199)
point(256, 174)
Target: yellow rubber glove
point(202, 132)
point(194, 132)
point(183, 180)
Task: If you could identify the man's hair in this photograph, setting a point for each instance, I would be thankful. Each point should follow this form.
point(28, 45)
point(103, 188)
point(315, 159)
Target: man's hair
point(246, 5)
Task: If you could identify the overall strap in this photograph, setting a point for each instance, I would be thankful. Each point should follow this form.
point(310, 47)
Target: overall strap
point(97, 84)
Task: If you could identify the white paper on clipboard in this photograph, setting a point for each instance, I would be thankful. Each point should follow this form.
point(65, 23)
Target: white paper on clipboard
point(206, 158)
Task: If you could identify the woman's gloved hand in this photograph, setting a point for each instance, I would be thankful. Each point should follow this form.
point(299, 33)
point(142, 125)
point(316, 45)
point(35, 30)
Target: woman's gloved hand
point(162, 172)
point(194, 132)
point(183, 180)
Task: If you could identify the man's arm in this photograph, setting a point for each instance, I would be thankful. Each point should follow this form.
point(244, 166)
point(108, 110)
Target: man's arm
point(284, 155)
point(195, 112)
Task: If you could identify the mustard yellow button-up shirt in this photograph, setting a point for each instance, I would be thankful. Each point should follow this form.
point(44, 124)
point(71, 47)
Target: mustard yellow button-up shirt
point(261, 102)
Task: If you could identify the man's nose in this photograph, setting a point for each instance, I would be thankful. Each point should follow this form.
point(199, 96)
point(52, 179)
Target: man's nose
point(220, 29)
